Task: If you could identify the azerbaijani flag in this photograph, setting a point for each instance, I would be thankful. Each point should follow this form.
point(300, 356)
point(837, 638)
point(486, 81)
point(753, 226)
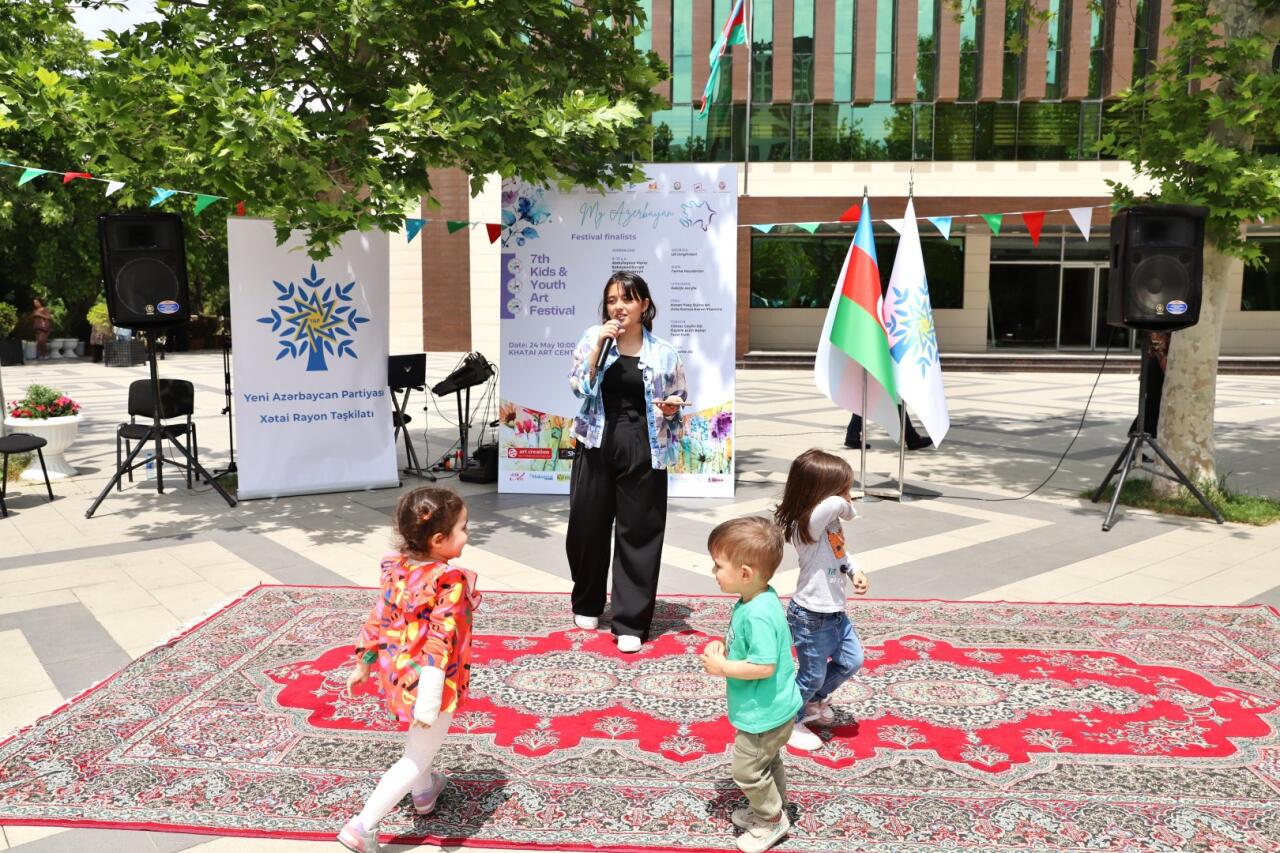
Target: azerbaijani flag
point(734, 32)
point(854, 347)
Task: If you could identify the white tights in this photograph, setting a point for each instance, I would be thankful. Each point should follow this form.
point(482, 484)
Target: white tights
point(411, 773)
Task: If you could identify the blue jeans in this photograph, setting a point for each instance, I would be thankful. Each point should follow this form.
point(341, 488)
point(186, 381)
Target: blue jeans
point(828, 651)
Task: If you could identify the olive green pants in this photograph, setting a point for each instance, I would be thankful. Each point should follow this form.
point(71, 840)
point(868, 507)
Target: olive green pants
point(758, 771)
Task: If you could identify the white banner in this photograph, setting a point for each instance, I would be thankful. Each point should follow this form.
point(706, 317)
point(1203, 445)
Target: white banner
point(310, 339)
point(678, 230)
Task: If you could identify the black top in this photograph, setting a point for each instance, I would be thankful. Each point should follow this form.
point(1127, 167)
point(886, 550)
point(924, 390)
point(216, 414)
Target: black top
point(623, 390)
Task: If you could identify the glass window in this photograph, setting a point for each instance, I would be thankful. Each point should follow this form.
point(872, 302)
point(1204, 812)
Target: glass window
point(1023, 309)
point(1058, 26)
point(926, 50)
point(1014, 244)
point(682, 53)
point(761, 52)
point(1049, 131)
point(1076, 248)
point(996, 132)
point(644, 40)
point(1090, 129)
point(969, 52)
point(771, 133)
point(884, 48)
point(832, 132)
point(882, 132)
point(674, 137)
point(802, 53)
point(1261, 291)
point(1097, 53)
point(1014, 34)
point(719, 130)
point(801, 133)
point(922, 145)
point(801, 271)
point(845, 25)
point(953, 131)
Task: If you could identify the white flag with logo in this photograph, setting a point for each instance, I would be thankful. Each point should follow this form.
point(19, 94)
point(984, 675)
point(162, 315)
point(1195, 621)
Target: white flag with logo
point(913, 339)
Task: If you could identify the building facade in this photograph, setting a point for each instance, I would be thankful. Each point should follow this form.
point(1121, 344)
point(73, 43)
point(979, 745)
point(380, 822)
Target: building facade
point(888, 95)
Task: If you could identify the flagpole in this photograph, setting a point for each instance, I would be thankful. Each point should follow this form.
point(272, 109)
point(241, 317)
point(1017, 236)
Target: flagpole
point(902, 406)
point(746, 152)
point(862, 471)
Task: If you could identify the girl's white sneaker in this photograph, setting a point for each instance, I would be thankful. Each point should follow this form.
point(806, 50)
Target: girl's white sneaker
point(803, 739)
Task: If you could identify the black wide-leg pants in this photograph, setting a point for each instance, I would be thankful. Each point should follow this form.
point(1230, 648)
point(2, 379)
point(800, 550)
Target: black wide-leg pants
point(614, 489)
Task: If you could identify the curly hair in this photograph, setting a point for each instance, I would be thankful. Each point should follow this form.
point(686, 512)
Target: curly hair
point(423, 513)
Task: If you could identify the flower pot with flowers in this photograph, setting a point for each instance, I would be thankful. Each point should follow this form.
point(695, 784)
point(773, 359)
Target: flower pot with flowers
point(50, 415)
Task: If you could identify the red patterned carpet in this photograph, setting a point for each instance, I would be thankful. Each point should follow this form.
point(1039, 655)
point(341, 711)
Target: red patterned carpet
point(973, 726)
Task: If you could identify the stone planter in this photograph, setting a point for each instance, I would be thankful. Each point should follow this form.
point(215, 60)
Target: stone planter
point(29, 350)
point(62, 347)
point(59, 432)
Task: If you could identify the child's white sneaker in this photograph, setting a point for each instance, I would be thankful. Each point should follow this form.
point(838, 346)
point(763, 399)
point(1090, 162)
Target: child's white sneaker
point(812, 712)
point(763, 834)
point(826, 714)
point(355, 837)
point(628, 643)
point(804, 739)
point(586, 623)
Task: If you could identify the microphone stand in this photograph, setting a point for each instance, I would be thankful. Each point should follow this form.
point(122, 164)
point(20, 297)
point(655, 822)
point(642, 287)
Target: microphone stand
point(227, 396)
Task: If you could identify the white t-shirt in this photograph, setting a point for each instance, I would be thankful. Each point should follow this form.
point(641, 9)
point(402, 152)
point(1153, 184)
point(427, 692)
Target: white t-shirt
point(821, 587)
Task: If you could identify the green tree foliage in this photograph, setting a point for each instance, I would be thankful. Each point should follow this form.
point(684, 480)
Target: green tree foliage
point(328, 116)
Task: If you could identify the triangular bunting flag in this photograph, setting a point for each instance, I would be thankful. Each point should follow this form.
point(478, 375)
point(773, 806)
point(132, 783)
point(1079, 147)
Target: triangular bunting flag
point(160, 196)
point(993, 220)
point(203, 201)
point(455, 225)
point(851, 215)
point(412, 227)
point(494, 229)
point(807, 226)
point(943, 224)
point(1083, 217)
point(1035, 222)
point(895, 224)
point(68, 177)
point(240, 208)
point(30, 174)
point(112, 186)
point(764, 227)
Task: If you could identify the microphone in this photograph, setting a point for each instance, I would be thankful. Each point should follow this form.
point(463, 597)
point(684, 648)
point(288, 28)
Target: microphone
point(604, 356)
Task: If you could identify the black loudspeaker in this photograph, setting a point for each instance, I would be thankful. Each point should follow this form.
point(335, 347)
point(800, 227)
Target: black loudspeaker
point(144, 268)
point(1157, 260)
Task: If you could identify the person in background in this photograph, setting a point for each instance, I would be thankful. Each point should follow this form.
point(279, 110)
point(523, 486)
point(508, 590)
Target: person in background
point(853, 434)
point(42, 324)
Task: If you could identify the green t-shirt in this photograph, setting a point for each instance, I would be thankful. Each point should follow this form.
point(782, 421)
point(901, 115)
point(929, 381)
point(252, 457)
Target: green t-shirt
point(758, 633)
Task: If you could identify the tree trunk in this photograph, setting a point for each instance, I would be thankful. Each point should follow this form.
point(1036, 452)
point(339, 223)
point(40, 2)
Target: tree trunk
point(1190, 384)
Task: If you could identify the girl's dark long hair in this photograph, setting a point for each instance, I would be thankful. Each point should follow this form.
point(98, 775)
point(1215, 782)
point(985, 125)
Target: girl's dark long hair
point(815, 475)
point(423, 513)
point(633, 287)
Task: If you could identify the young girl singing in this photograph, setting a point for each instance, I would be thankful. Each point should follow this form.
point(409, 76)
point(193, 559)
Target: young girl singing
point(418, 637)
point(828, 650)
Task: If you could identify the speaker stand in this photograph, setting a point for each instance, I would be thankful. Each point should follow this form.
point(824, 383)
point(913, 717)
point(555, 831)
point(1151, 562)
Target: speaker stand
point(1132, 453)
point(227, 398)
point(157, 432)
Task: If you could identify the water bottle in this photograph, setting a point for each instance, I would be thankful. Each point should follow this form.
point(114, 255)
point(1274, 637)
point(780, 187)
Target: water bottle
point(149, 468)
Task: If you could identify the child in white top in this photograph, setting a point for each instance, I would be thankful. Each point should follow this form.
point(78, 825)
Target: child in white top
point(828, 651)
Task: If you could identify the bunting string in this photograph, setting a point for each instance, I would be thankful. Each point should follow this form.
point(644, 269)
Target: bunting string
point(1032, 219)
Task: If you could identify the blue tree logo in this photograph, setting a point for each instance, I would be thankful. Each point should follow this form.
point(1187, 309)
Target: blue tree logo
point(312, 323)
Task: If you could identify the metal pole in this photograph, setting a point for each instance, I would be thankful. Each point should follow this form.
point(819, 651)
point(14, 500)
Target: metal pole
point(746, 151)
point(902, 445)
point(862, 439)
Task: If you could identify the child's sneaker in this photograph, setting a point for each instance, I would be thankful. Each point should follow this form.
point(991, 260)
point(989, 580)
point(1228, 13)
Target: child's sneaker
point(424, 802)
point(812, 712)
point(826, 714)
point(764, 834)
point(804, 739)
point(743, 818)
point(355, 837)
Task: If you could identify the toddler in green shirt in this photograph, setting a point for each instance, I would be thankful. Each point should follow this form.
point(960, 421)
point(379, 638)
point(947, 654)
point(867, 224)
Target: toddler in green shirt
point(755, 661)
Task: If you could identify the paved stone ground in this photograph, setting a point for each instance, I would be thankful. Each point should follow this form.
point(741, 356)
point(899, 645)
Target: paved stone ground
point(80, 598)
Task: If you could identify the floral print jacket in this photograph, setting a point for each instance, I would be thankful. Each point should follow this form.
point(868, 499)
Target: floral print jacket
point(663, 377)
point(422, 618)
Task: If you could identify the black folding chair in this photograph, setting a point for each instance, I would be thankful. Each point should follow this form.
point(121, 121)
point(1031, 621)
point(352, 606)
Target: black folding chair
point(177, 400)
point(20, 442)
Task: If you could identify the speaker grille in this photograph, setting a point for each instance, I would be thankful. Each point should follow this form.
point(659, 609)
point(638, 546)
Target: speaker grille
point(1156, 281)
point(143, 282)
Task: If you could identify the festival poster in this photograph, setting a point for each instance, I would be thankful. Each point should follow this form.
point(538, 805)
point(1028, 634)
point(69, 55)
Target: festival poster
point(310, 341)
point(677, 230)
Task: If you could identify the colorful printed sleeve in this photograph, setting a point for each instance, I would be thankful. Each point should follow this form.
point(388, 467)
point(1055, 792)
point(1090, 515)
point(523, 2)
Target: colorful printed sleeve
point(580, 375)
point(448, 600)
point(370, 639)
